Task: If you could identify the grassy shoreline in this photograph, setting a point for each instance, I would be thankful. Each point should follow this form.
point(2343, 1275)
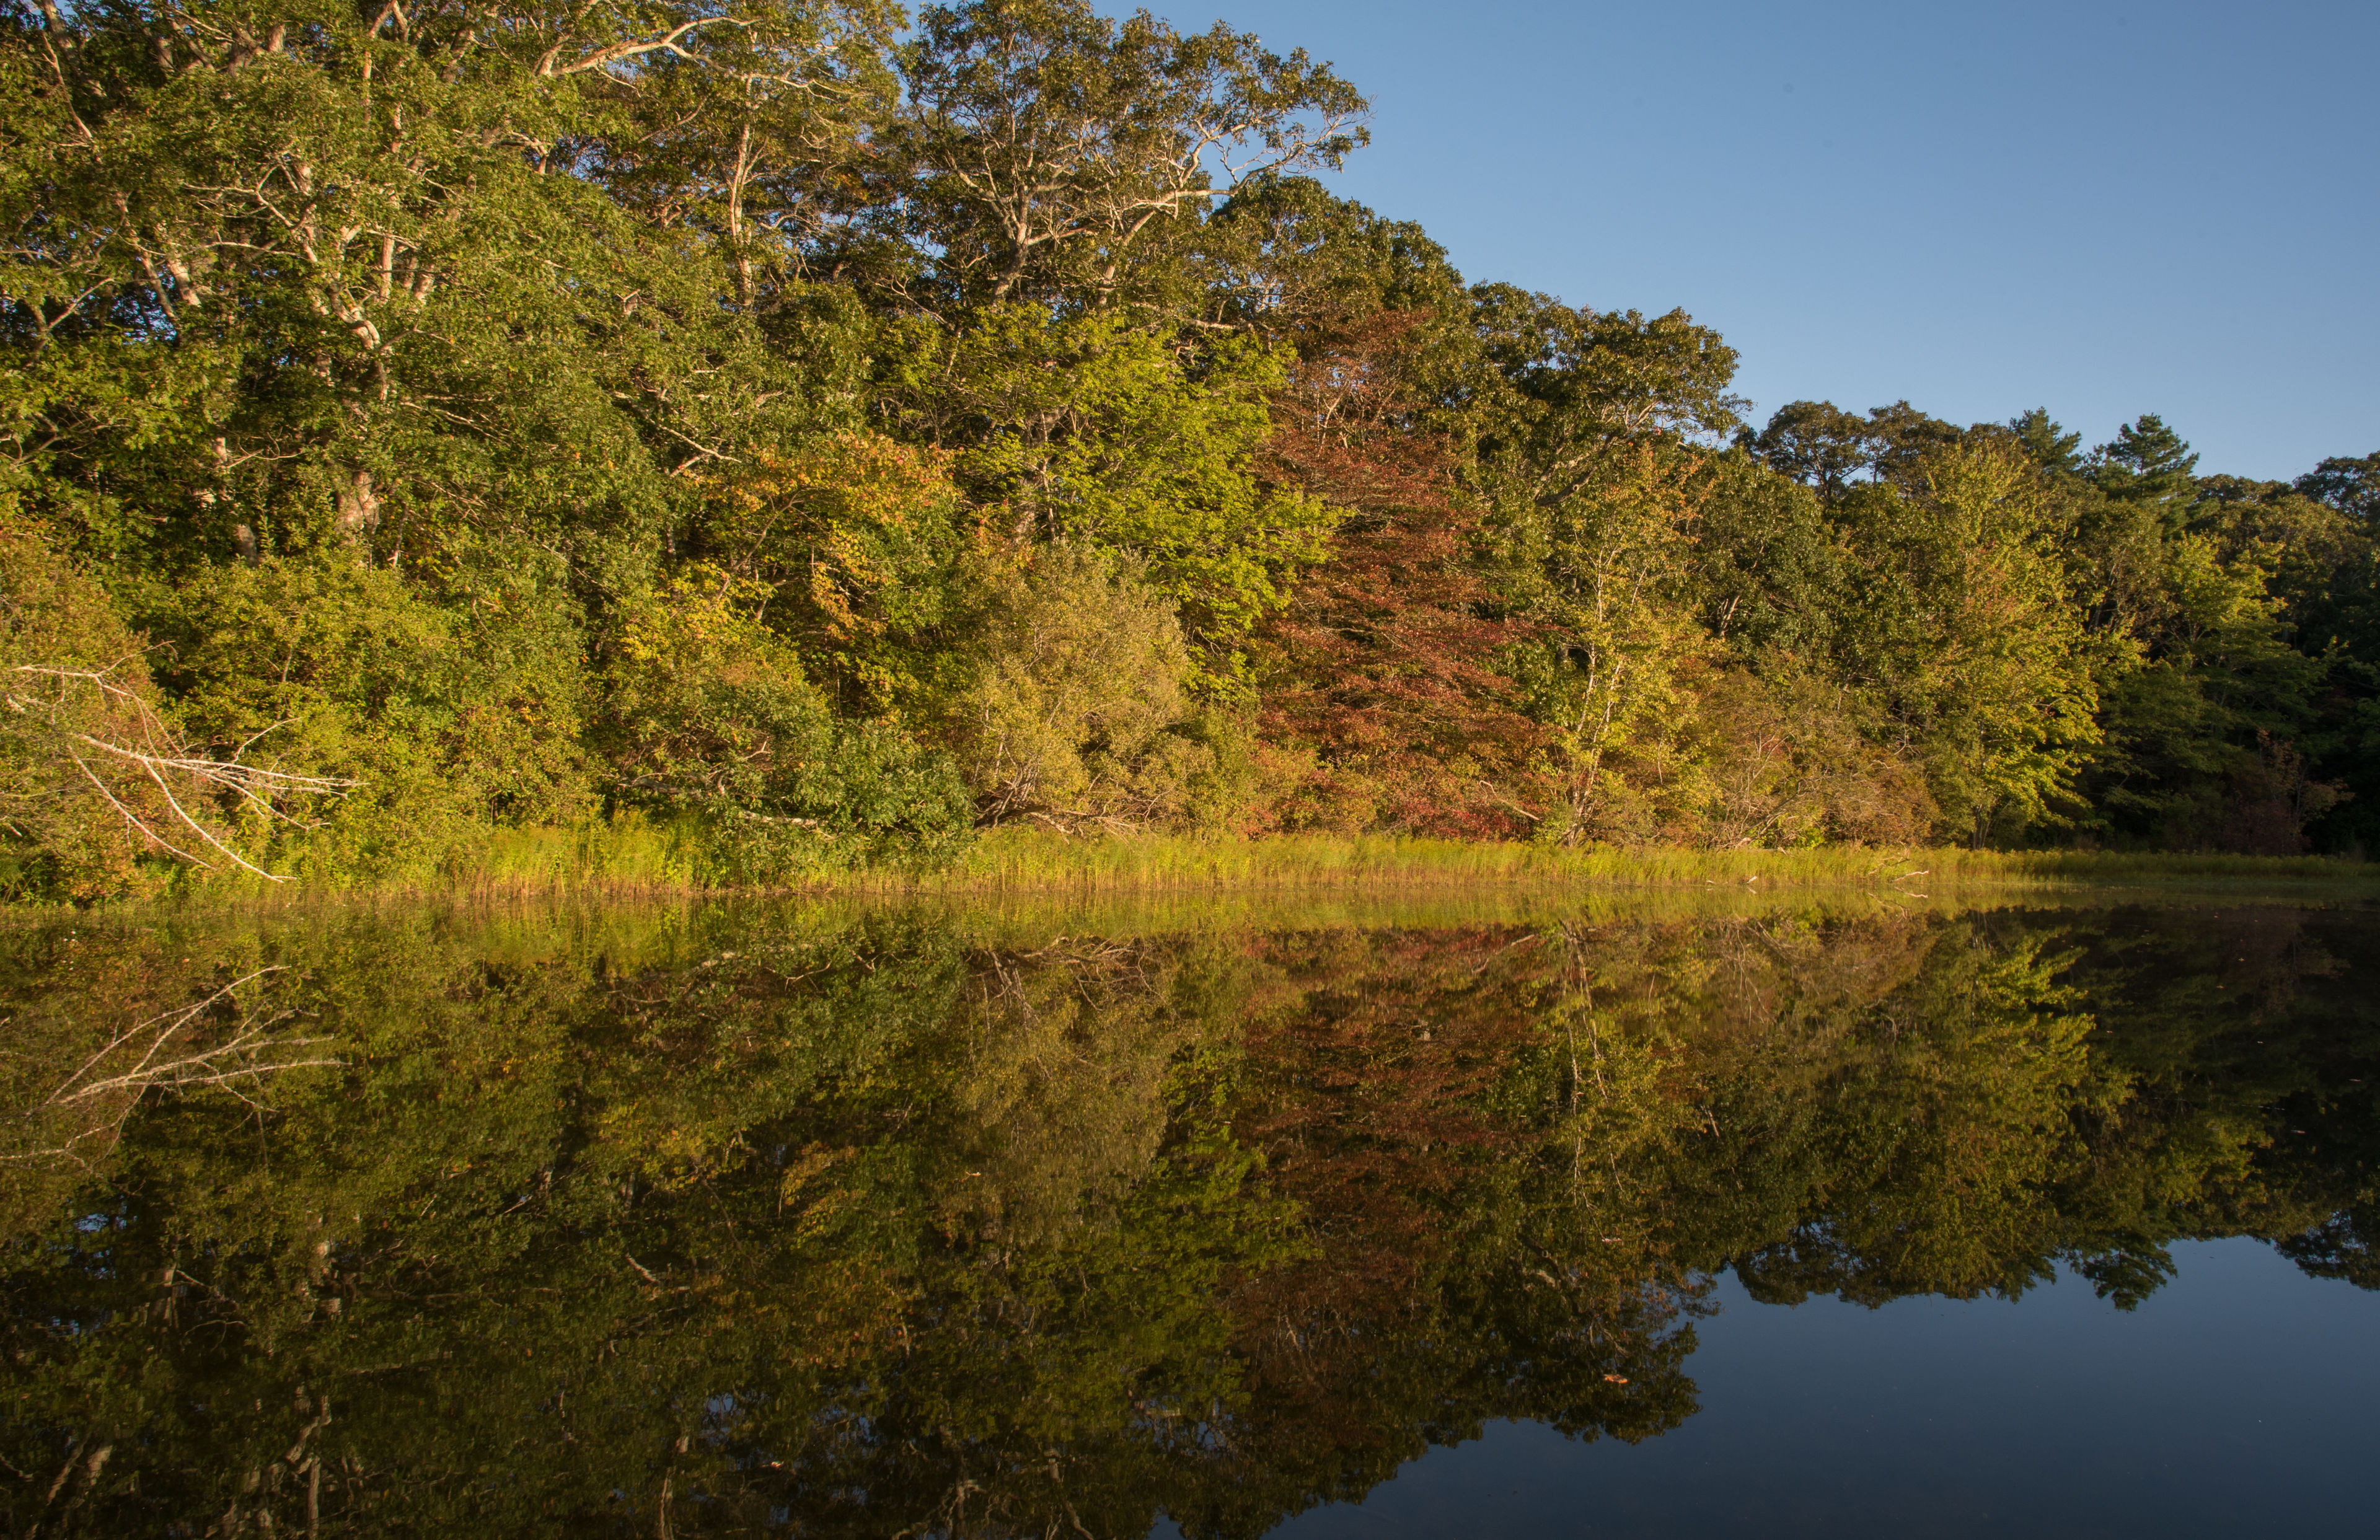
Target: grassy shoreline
point(1369, 861)
point(651, 861)
point(636, 860)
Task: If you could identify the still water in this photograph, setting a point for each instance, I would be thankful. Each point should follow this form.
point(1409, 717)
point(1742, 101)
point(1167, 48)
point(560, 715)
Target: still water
point(1782, 1218)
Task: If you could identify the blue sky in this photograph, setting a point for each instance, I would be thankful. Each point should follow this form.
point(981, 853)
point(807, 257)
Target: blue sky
point(2105, 208)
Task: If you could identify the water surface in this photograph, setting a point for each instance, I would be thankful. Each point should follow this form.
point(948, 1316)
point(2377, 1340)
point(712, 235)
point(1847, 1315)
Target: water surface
point(1783, 1217)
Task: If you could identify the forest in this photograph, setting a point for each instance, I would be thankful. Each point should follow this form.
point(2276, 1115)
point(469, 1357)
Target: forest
point(823, 433)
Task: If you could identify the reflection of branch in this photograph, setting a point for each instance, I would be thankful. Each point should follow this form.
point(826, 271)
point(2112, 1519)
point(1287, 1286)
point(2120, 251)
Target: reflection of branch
point(244, 1058)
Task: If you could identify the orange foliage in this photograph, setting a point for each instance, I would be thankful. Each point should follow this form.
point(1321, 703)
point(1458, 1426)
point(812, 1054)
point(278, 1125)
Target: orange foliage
point(1383, 666)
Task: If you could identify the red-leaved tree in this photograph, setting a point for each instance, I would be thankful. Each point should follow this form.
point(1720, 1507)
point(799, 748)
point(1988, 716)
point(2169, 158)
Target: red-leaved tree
point(1383, 668)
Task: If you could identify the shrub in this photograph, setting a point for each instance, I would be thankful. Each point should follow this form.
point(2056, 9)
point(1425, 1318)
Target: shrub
point(73, 672)
point(1078, 713)
point(452, 717)
point(100, 793)
point(1784, 763)
point(708, 714)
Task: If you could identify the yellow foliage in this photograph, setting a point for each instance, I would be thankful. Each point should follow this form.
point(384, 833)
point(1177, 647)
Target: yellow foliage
point(847, 534)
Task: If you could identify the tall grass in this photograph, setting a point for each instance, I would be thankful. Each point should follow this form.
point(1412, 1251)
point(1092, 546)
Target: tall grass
point(623, 856)
point(632, 859)
point(1035, 860)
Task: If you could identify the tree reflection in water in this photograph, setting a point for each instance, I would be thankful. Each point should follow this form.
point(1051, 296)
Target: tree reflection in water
point(801, 1222)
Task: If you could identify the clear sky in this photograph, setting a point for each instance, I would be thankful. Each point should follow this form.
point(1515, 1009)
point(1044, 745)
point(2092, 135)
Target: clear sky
point(2100, 208)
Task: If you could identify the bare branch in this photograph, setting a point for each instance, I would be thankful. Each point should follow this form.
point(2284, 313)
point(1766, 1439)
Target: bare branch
point(156, 1055)
point(603, 58)
point(143, 744)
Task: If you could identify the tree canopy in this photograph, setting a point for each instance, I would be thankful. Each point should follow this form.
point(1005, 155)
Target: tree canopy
point(404, 381)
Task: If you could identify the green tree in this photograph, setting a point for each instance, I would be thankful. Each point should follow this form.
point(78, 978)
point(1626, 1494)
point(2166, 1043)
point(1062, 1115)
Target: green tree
point(1055, 156)
point(1099, 432)
point(2048, 442)
point(1079, 714)
point(708, 713)
point(331, 280)
point(2147, 464)
point(1816, 443)
point(1967, 628)
point(1593, 495)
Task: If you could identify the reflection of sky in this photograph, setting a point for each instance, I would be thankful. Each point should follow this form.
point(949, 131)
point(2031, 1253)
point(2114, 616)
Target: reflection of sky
point(2241, 1399)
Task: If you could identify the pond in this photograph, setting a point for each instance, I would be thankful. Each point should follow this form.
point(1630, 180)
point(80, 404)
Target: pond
point(1736, 1216)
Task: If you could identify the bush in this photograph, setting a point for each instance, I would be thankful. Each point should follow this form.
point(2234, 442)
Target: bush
point(1784, 763)
point(708, 714)
point(1077, 714)
point(74, 675)
point(101, 791)
point(452, 717)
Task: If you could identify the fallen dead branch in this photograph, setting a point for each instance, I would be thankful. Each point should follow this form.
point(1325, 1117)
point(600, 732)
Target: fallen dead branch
point(133, 758)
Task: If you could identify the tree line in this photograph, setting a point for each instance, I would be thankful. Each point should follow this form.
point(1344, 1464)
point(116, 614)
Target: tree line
point(824, 436)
